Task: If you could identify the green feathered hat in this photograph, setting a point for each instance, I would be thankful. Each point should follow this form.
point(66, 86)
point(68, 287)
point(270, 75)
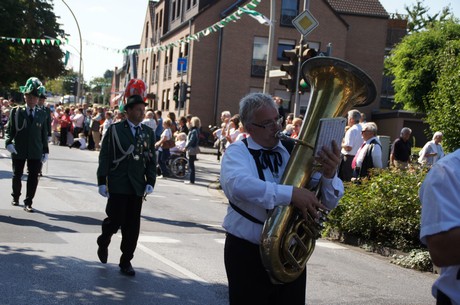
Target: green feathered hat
point(31, 87)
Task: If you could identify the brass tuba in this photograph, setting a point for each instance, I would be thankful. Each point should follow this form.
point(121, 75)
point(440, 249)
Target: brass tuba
point(288, 240)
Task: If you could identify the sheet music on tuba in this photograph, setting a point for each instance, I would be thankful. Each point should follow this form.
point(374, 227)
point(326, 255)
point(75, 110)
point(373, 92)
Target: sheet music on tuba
point(330, 129)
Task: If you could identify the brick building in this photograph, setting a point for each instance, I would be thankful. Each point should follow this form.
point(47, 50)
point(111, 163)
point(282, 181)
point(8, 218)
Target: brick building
point(230, 62)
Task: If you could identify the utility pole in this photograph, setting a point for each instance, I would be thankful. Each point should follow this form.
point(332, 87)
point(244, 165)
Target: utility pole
point(80, 77)
point(306, 6)
point(271, 38)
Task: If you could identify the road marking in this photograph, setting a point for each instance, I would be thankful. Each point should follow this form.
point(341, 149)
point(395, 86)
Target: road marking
point(329, 245)
point(156, 196)
point(158, 239)
point(172, 264)
point(220, 241)
point(212, 225)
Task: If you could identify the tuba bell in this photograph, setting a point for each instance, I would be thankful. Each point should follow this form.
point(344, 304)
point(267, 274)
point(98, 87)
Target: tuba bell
point(288, 240)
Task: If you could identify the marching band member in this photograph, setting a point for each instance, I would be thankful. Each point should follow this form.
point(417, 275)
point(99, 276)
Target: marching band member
point(250, 177)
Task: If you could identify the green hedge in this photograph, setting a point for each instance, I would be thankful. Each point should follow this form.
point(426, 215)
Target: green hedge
point(384, 210)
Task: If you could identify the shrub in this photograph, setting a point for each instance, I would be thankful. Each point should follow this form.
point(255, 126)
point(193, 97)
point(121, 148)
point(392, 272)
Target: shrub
point(383, 210)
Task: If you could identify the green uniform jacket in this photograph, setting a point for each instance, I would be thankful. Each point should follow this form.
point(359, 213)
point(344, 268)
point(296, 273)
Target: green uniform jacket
point(29, 138)
point(130, 172)
point(48, 119)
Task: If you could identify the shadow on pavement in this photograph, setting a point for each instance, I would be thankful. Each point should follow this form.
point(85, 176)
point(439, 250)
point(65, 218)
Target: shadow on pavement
point(33, 223)
point(27, 278)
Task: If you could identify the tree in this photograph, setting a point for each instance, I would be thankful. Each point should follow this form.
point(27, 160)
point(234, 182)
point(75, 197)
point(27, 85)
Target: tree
point(427, 79)
point(108, 74)
point(20, 61)
point(444, 99)
point(416, 61)
point(419, 19)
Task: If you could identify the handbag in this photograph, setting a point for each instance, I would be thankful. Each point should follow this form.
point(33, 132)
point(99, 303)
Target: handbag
point(193, 151)
point(168, 144)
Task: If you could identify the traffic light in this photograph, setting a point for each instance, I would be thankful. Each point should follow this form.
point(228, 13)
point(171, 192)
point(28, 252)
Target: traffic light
point(185, 92)
point(176, 94)
point(75, 87)
point(306, 55)
point(290, 69)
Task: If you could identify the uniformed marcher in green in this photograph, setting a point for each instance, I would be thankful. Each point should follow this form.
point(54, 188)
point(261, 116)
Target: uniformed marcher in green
point(126, 174)
point(27, 141)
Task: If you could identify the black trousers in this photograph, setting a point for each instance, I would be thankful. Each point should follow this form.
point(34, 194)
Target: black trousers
point(123, 211)
point(34, 167)
point(191, 165)
point(248, 281)
point(345, 170)
point(63, 136)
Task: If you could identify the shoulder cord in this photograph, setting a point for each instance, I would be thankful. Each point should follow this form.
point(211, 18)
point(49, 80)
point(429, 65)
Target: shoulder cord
point(116, 139)
point(16, 121)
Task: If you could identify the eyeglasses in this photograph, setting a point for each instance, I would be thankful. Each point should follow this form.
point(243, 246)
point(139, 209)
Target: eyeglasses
point(270, 124)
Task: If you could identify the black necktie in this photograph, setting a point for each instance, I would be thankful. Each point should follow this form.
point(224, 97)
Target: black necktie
point(31, 116)
point(136, 132)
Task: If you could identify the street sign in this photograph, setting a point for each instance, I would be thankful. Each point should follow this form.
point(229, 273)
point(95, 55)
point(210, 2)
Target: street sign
point(276, 73)
point(182, 64)
point(305, 22)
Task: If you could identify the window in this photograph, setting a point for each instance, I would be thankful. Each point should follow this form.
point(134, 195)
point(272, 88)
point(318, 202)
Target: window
point(173, 11)
point(259, 56)
point(146, 34)
point(284, 44)
point(289, 10)
point(178, 8)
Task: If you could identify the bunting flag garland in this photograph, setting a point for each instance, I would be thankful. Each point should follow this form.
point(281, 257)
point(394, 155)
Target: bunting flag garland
point(247, 9)
point(43, 41)
point(257, 16)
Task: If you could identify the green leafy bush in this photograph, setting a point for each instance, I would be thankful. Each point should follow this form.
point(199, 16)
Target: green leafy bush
point(416, 259)
point(383, 210)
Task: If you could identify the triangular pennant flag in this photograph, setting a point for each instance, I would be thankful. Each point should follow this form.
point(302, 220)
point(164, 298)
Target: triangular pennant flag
point(28, 40)
point(23, 40)
point(33, 40)
point(256, 15)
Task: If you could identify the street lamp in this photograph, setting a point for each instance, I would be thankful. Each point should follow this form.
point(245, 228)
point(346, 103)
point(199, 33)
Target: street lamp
point(80, 78)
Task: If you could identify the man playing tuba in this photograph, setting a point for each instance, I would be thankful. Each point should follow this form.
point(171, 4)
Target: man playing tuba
point(251, 172)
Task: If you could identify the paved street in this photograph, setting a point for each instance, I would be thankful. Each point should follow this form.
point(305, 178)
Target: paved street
point(49, 257)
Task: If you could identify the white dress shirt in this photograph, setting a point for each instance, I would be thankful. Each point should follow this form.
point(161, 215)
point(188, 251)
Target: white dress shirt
point(353, 139)
point(241, 184)
point(440, 199)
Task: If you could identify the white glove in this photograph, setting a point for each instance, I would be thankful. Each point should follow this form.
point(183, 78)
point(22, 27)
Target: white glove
point(148, 189)
point(11, 149)
point(44, 158)
point(103, 191)
point(49, 139)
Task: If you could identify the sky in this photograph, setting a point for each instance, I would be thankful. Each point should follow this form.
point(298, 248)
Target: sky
point(110, 25)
